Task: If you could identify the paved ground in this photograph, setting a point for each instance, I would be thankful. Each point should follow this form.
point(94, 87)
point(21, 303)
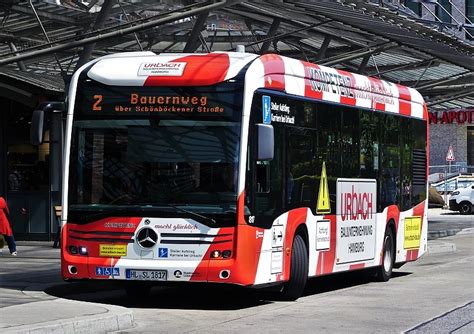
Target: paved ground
point(432, 295)
point(444, 223)
point(450, 322)
point(428, 296)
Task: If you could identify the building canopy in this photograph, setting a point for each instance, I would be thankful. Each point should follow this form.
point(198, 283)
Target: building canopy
point(43, 42)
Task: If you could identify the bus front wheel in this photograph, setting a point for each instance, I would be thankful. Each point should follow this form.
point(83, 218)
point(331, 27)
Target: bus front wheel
point(384, 272)
point(293, 289)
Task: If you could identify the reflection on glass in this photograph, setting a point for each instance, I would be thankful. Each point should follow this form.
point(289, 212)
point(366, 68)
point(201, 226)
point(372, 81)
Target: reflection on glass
point(141, 162)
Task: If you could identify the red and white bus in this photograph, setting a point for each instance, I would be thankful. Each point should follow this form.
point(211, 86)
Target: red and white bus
point(238, 168)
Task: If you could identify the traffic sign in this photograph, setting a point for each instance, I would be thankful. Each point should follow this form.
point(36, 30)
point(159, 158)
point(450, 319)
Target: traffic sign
point(323, 206)
point(450, 155)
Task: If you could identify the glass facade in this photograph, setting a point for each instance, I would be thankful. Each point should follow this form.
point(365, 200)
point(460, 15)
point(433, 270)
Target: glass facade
point(25, 174)
point(470, 16)
point(415, 6)
point(444, 10)
point(470, 145)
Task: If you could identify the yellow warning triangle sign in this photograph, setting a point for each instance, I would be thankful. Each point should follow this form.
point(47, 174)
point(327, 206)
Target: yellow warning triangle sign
point(323, 197)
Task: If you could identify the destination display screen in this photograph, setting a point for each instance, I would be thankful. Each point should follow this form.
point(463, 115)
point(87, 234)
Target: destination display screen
point(222, 101)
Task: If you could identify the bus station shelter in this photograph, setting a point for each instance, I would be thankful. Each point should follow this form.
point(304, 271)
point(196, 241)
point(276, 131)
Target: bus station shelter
point(43, 42)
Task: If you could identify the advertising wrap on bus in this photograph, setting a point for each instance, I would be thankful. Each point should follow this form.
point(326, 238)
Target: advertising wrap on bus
point(356, 220)
point(243, 169)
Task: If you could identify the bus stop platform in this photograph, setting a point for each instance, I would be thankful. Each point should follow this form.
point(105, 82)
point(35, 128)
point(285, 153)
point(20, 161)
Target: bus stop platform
point(34, 299)
point(28, 285)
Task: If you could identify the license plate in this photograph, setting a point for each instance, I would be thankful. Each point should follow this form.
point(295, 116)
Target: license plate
point(146, 275)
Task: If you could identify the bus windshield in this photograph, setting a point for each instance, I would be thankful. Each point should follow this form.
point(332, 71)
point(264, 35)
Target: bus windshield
point(154, 160)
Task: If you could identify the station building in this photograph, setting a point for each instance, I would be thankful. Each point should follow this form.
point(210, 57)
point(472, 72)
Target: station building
point(455, 128)
point(29, 175)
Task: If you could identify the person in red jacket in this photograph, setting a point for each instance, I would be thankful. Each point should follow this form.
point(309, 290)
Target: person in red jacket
point(5, 228)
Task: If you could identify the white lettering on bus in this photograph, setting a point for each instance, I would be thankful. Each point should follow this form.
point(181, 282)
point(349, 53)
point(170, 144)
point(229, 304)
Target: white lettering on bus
point(356, 231)
point(330, 82)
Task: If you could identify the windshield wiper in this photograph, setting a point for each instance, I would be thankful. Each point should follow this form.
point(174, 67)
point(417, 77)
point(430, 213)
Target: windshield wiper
point(195, 214)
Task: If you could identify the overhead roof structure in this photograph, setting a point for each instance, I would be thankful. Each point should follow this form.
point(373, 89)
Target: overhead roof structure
point(42, 42)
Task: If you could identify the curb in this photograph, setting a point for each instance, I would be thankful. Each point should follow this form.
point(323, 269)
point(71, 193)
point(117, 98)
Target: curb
point(121, 319)
point(441, 234)
point(441, 247)
point(114, 318)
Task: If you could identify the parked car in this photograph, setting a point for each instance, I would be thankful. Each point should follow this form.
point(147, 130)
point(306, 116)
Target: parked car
point(462, 200)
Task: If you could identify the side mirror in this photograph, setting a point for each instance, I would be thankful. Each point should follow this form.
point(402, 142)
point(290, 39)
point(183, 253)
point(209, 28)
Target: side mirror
point(38, 120)
point(266, 142)
point(37, 127)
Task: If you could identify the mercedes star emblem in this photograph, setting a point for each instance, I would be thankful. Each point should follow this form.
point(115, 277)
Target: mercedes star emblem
point(147, 237)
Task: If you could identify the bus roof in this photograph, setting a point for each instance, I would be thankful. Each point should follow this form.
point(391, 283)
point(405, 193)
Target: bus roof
point(269, 71)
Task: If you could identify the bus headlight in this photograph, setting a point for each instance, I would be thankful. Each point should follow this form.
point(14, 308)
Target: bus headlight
point(82, 250)
point(73, 250)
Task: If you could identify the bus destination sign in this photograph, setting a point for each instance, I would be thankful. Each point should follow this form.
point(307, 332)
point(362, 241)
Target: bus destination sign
point(137, 103)
point(223, 101)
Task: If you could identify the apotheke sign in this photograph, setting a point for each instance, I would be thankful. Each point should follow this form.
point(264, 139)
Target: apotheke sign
point(450, 117)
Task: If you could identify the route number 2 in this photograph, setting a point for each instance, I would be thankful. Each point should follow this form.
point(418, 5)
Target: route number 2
point(96, 106)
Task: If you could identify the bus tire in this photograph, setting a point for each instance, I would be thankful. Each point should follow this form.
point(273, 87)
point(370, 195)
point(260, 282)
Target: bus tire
point(384, 272)
point(465, 208)
point(293, 289)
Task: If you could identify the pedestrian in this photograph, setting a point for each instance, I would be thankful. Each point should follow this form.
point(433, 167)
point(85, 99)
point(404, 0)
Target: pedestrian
point(5, 228)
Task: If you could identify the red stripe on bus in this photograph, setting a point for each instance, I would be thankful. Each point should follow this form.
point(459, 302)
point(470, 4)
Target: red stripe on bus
point(209, 269)
point(351, 101)
point(274, 71)
point(378, 89)
point(295, 218)
point(419, 210)
point(356, 266)
point(404, 100)
point(404, 107)
point(379, 106)
point(309, 89)
point(199, 71)
point(247, 247)
point(326, 259)
point(425, 115)
point(404, 93)
point(86, 235)
point(393, 213)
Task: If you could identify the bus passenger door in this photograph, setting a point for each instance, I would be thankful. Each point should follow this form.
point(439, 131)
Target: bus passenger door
point(265, 182)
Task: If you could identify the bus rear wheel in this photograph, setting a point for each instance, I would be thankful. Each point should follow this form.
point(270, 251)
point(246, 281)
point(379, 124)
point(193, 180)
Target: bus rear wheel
point(293, 289)
point(384, 272)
